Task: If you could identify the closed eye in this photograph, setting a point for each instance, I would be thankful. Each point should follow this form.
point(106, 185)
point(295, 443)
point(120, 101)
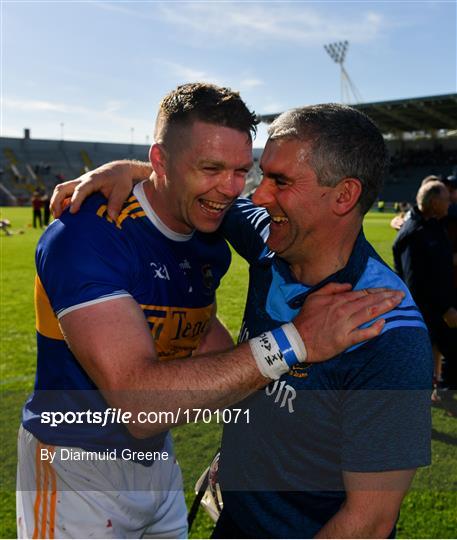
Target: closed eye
point(211, 169)
point(279, 180)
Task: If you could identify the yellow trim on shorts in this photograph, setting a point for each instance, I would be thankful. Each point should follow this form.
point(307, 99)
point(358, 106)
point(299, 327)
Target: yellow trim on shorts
point(45, 498)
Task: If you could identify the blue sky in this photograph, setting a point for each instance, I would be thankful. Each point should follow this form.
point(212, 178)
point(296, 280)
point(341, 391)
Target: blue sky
point(101, 68)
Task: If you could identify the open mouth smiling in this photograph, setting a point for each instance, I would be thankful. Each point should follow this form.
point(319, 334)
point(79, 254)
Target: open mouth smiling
point(279, 220)
point(213, 207)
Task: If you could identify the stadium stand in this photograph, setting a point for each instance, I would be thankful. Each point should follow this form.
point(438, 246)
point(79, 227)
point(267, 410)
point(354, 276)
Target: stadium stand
point(407, 115)
point(28, 164)
point(413, 160)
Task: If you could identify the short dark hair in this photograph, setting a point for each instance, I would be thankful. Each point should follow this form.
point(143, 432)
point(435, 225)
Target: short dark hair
point(207, 103)
point(345, 143)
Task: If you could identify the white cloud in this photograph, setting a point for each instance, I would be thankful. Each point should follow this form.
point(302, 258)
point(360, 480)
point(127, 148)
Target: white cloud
point(250, 83)
point(109, 108)
point(185, 73)
point(273, 107)
point(112, 106)
point(192, 74)
point(31, 105)
point(112, 115)
point(119, 7)
point(249, 23)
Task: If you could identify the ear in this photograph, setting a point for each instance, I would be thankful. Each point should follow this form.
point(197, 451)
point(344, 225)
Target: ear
point(158, 159)
point(346, 195)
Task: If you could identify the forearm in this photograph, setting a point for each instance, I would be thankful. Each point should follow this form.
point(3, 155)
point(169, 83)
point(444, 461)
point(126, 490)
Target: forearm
point(350, 523)
point(203, 382)
point(115, 180)
point(372, 505)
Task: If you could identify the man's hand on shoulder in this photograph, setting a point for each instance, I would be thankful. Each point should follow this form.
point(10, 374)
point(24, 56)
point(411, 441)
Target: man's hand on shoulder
point(115, 180)
point(330, 318)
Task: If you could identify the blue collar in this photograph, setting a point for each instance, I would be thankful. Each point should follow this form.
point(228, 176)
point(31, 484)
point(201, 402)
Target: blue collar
point(295, 292)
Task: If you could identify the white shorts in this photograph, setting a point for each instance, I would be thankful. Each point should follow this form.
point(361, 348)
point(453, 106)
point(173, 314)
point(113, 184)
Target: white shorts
point(95, 498)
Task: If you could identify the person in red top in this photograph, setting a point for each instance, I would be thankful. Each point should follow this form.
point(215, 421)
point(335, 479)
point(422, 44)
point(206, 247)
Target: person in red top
point(37, 203)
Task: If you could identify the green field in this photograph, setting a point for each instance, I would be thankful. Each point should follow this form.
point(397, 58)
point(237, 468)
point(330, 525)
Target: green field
point(430, 510)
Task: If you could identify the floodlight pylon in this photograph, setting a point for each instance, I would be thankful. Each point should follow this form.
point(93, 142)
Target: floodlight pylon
point(337, 52)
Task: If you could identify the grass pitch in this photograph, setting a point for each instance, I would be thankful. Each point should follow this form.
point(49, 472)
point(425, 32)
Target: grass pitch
point(429, 510)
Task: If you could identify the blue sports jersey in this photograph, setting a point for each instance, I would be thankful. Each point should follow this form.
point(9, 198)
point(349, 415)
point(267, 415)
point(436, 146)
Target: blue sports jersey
point(366, 410)
point(87, 258)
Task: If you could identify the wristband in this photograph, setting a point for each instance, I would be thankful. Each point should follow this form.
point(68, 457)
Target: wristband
point(277, 351)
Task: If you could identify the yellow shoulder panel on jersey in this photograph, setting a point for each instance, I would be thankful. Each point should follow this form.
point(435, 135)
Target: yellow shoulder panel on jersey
point(46, 320)
point(130, 210)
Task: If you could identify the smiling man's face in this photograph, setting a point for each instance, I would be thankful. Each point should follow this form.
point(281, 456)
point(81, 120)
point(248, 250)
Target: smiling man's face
point(205, 172)
point(289, 190)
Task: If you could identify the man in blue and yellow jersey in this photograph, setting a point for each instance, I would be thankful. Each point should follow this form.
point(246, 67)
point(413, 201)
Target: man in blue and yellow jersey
point(95, 459)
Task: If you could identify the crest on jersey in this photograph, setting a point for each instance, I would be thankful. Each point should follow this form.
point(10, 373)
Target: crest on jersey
point(300, 370)
point(208, 278)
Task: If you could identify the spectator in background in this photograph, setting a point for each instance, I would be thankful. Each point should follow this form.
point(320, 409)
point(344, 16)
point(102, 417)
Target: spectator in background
point(430, 178)
point(46, 210)
point(37, 203)
point(403, 209)
point(423, 258)
point(405, 213)
point(5, 225)
point(451, 223)
point(451, 226)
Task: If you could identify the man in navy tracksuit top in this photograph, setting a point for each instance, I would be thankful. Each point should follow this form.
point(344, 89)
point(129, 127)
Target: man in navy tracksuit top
point(330, 449)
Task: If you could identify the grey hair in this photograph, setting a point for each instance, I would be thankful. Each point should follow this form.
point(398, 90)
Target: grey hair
point(345, 143)
point(428, 192)
point(430, 178)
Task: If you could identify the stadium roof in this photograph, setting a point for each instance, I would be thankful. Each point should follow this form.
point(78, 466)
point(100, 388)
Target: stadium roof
point(415, 114)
